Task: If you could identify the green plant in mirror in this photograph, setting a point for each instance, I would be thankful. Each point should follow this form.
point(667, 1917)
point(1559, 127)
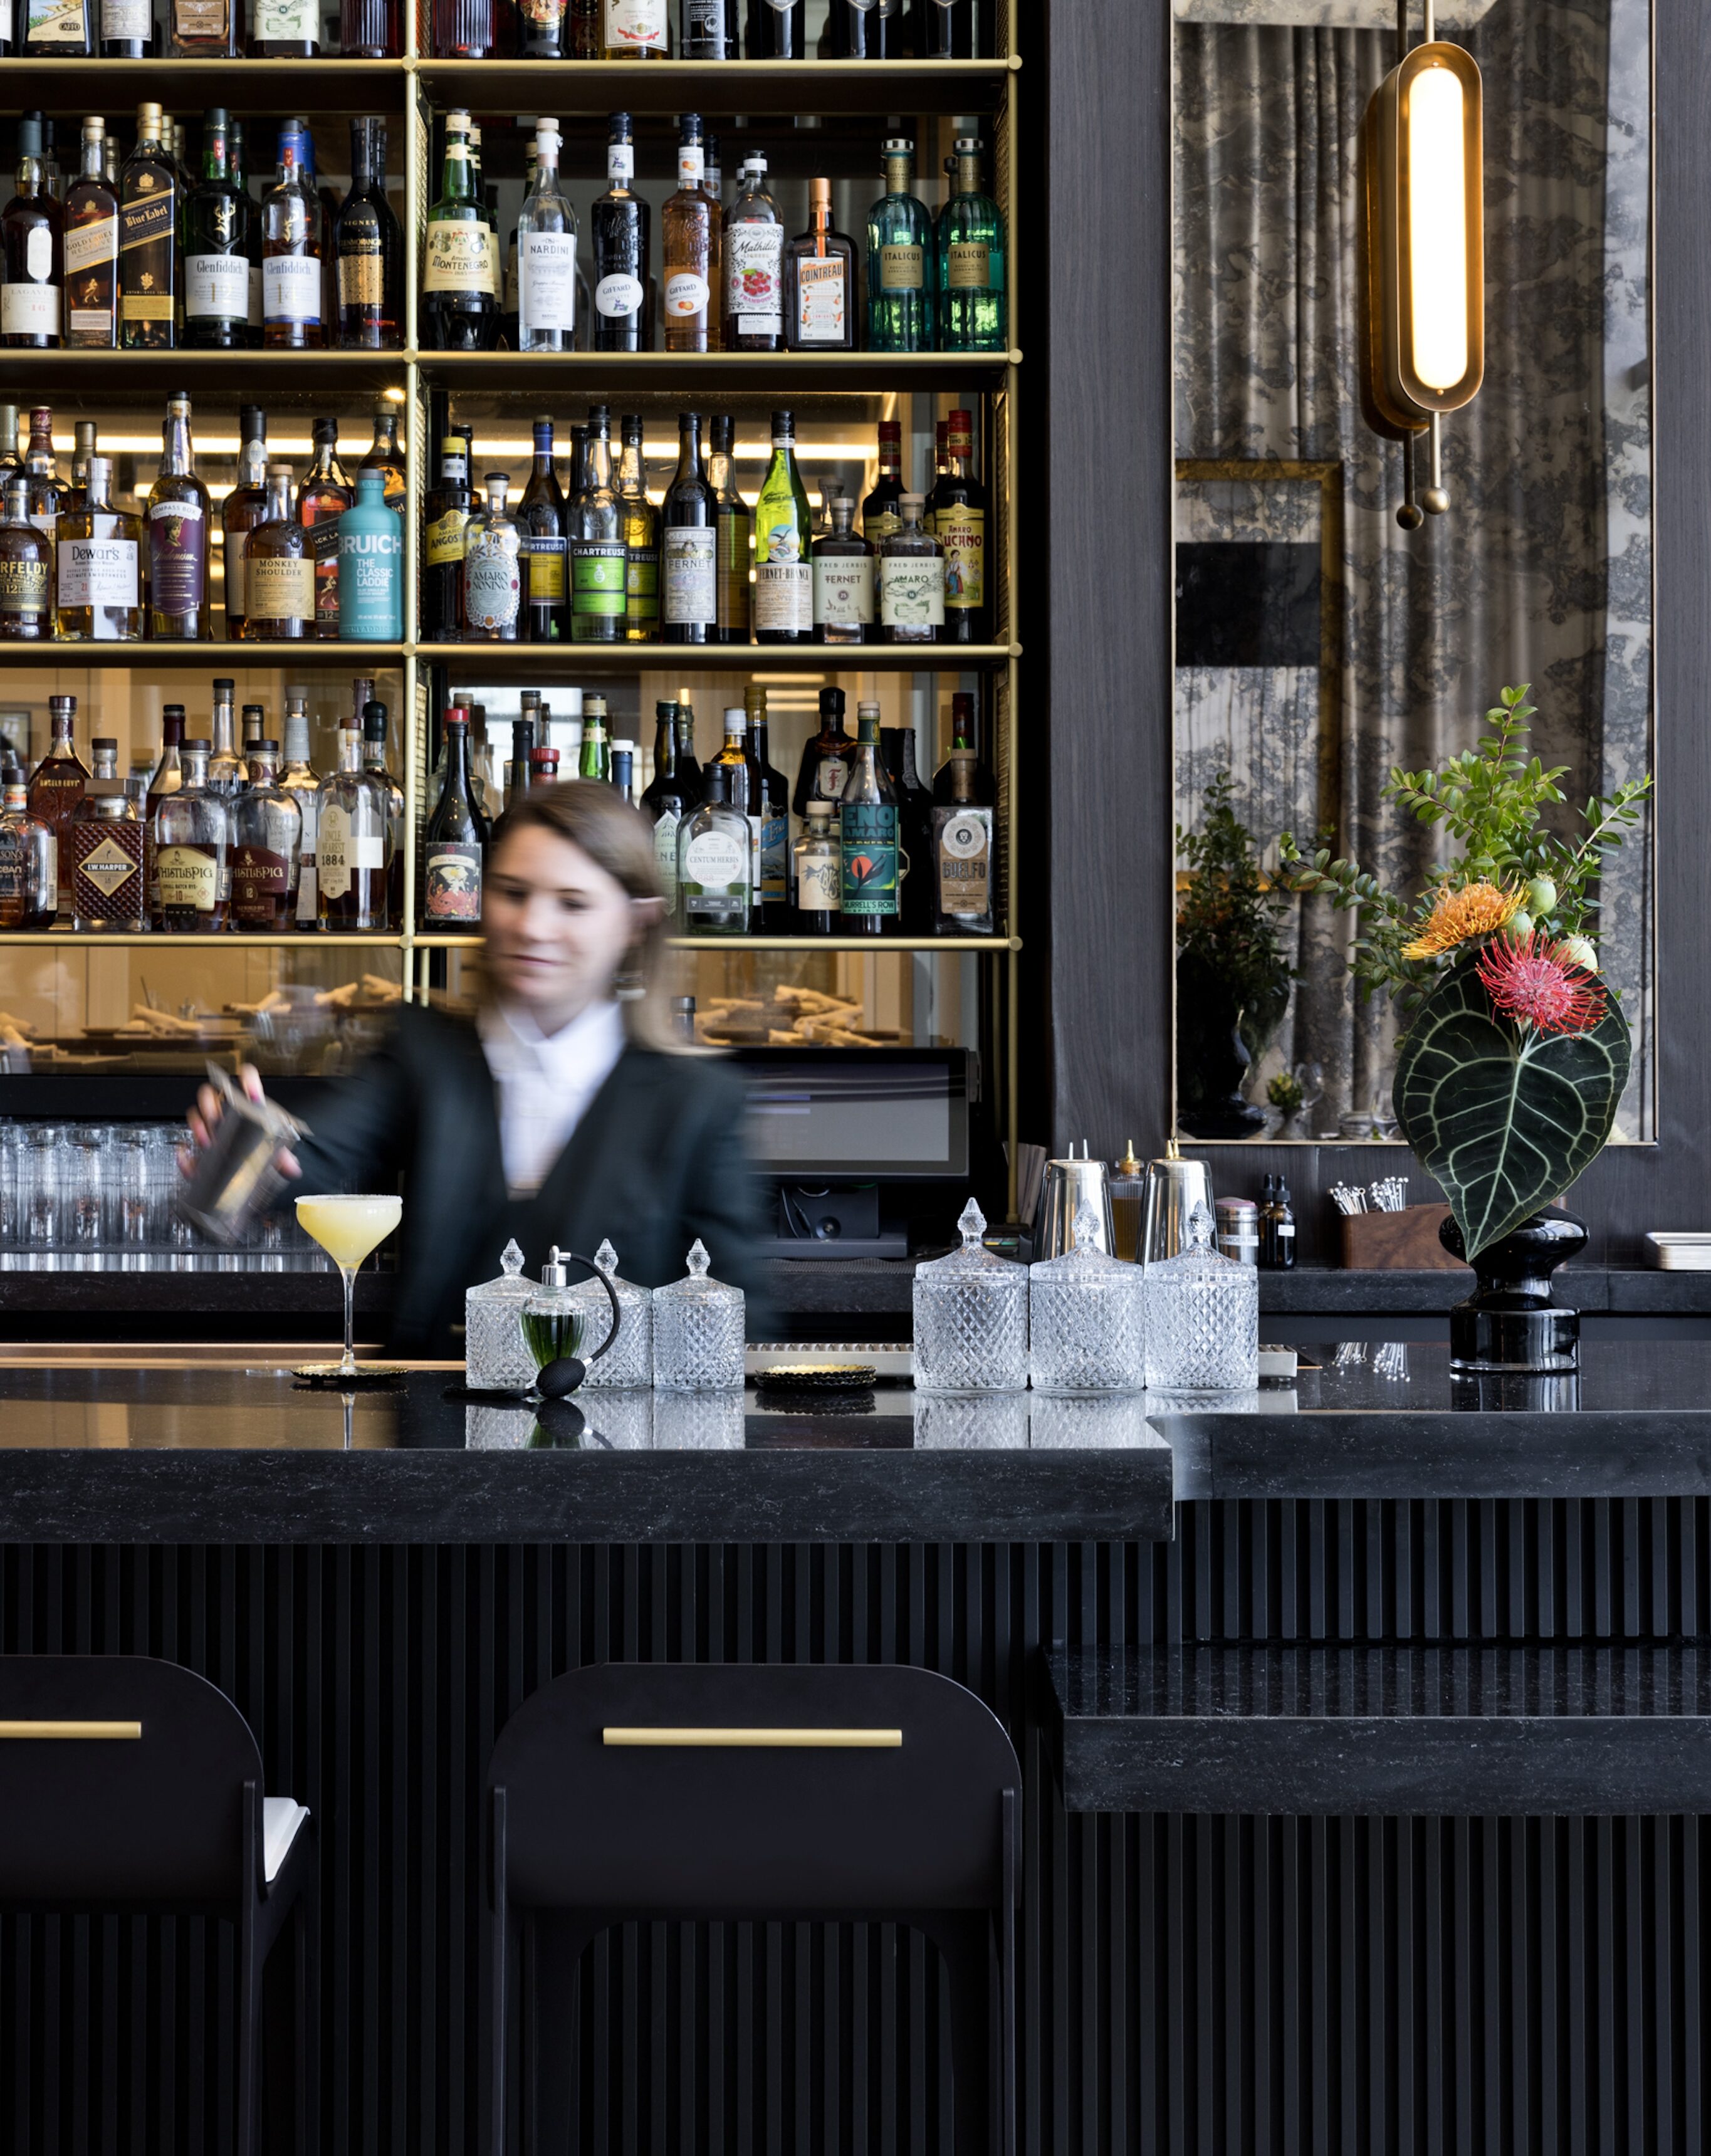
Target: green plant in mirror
point(1229, 917)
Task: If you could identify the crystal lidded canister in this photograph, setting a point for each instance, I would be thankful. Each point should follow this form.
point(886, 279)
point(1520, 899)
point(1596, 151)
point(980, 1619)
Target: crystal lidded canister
point(1086, 1332)
point(698, 1330)
point(630, 1362)
point(971, 1317)
point(495, 1358)
point(1202, 1318)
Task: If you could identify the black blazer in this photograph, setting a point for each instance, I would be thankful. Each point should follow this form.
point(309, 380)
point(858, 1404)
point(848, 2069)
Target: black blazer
point(657, 1159)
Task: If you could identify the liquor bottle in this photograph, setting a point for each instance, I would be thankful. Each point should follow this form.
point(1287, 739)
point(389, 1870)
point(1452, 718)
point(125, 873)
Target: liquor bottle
point(743, 793)
point(816, 875)
point(914, 828)
point(842, 581)
point(32, 250)
point(492, 578)
point(636, 30)
point(962, 856)
point(880, 516)
point(706, 32)
point(253, 720)
point(57, 783)
point(127, 29)
point(543, 524)
point(76, 493)
point(941, 464)
point(690, 776)
point(866, 29)
point(44, 490)
point(11, 464)
point(167, 777)
point(446, 512)
point(227, 773)
point(29, 862)
point(713, 888)
point(598, 556)
point(972, 305)
point(249, 246)
point(957, 518)
point(91, 251)
point(181, 607)
point(267, 841)
point(712, 177)
point(910, 581)
point(216, 269)
point(371, 30)
point(545, 254)
point(106, 840)
point(59, 29)
point(689, 519)
point(868, 836)
point(285, 29)
point(783, 31)
point(664, 802)
point(624, 770)
point(543, 768)
point(902, 264)
point(459, 310)
point(290, 250)
point(783, 572)
point(819, 281)
point(368, 246)
point(99, 574)
point(322, 499)
point(350, 844)
point(594, 759)
point(691, 226)
point(298, 779)
point(769, 797)
point(753, 247)
point(189, 873)
point(540, 30)
point(465, 29)
point(619, 228)
point(26, 572)
point(204, 29)
point(371, 565)
point(149, 252)
point(965, 738)
point(945, 30)
point(825, 758)
point(242, 510)
point(736, 527)
point(384, 454)
point(454, 843)
point(639, 521)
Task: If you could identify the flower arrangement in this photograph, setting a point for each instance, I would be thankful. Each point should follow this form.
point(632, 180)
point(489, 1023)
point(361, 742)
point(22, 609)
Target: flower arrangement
point(1515, 1052)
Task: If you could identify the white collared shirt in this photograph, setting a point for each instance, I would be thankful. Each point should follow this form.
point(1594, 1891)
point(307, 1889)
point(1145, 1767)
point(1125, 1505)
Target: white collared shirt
point(546, 1082)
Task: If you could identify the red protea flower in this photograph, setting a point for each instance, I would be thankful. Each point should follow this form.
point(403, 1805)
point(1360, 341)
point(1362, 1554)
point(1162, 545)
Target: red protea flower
point(1537, 982)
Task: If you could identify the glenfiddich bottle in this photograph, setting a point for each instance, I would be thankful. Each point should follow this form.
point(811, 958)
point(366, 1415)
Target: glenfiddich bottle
point(99, 575)
point(26, 572)
point(291, 275)
point(192, 875)
point(454, 843)
point(92, 250)
point(279, 570)
point(150, 301)
point(180, 607)
point(216, 270)
point(31, 253)
point(29, 862)
point(56, 784)
point(459, 308)
point(446, 513)
point(619, 228)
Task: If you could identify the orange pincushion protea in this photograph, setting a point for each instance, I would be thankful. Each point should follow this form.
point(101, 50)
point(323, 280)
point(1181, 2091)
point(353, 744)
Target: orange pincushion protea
point(1458, 917)
point(1537, 984)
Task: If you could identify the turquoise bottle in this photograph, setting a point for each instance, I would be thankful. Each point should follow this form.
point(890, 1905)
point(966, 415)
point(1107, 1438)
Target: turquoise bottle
point(902, 267)
point(371, 567)
point(971, 259)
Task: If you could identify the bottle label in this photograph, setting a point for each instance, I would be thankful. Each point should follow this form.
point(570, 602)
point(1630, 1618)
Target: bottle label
point(54, 22)
point(912, 591)
point(187, 877)
point(287, 21)
point(962, 843)
point(444, 537)
point(260, 881)
point(620, 158)
point(546, 281)
point(216, 285)
point(691, 164)
point(30, 309)
point(867, 858)
point(819, 882)
point(279, 589)
point(704, 19)
point(754, 260)
point(291, 289)
point(961, 532)
point(333, 865)
point(91, 254)
point(833, 772)
point(106, 871)
point(543, 558)
point(367, 586)
point(774, 855)
point(308, 893)
point(666, 853)
point(200, 18)
point(692, 573)
point(98, 573)
point(734, 589)
point(127, 18)
point(717, 861)
point(686, 295)
point(177, 557)
point(492, 583)
point(598, 578)
point(969, 267)
point(843, 591)
point(879, 525)
point(459, 258)
point(641, 583)
point(822, 299)
point(361, 279)
point(451, 889)
point(1284, 1227)
point(901, 270)
point(24, 590)
point(638, 26)
point(783, 591)
point(617, 297)
point(147, 226)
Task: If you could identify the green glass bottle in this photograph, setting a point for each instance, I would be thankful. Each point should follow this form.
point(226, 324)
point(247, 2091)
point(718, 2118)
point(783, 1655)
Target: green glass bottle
point(971, 260)
point(784, 537)
point(595, 759)
point(901, 259)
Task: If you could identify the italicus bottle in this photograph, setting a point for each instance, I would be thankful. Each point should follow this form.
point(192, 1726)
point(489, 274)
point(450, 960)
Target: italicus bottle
point(971, 260)
point(901, 259)
point(371, 566)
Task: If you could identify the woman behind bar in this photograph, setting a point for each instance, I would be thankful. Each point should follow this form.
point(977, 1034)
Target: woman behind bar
point(561, 1114)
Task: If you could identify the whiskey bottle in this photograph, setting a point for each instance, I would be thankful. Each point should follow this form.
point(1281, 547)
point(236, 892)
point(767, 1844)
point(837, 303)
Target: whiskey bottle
point(691, 226)
point(32, 253)
point(842, 581)
point(599, 560)
point(971, 259)
point(689, 519)
point(665, 802)
point(492, 578)
point(291, 249)
point(635, 30)
point(26, 572)
point(868, 836)
point(542, 523)
point(58, 29)
point(957, 519)
point(962, 857)
point(216, 269)
point(56, 784)
point(706, 30)
point(109, 886)
point(267, 839)
point(91, 250)
point(618, 230)
point(227, 774)
point(29, 862)
point(375, 764)
point(446, 513)
point(879, 511)
point(85, 432)
point(736, 530)
point(191, 852)
point(285, 29)
point(322, 499)
point(100, 576)
point(754, 245)
point(783, 571)
point(44, 490)
point(901, 267)
point(545, 254)
point(641, 538)
point(541, 29)
point(150, 301)
point(242, 510)
point(180, 606)
point(459, 310)
point(454, 843)
point(371, 566)
point(298, 779)
point(204, 29)
point(279, 570)
point(819, 281)
point(385, 455)
point(910, 581)
point(783, 31)
point(350, 844)
point(816, 874)
point(169, 776)
point(825, 768)
point(714, 887)
point(866, 29)
point(368, 244)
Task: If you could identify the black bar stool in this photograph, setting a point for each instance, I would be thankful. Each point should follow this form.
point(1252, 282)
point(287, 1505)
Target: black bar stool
point(131, 1786)
point(821, 1793)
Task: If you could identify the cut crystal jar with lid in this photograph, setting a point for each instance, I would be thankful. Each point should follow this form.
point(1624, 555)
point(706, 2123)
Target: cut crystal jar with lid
point(631, 1361)
point(1202, 1318)
point(698, 1330)
point(971, 1317)
point(495, 1358)
point(1086, 1318)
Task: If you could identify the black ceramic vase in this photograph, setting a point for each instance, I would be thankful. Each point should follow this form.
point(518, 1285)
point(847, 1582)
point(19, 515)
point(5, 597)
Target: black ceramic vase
point(1511, 1323)
point(1211, 1059)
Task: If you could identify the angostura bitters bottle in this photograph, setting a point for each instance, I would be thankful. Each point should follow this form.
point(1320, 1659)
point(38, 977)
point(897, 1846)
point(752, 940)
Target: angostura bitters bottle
point(619, 228)
point(492, 583)
point(150, 301)
point(180, 608)
point(454, 842)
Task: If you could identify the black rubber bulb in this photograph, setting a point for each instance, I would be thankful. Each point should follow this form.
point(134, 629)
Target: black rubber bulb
point(561, 1376)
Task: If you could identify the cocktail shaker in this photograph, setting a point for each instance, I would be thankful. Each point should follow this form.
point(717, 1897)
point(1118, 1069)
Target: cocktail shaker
point(1069, 1185)
point(236, 1175)
point(1175, 1187)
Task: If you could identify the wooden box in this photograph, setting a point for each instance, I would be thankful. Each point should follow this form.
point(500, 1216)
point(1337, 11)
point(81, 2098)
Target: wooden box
point(1398, 1242)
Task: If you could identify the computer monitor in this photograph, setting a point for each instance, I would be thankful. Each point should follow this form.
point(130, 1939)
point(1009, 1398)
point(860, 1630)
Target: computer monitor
point(864, 1114)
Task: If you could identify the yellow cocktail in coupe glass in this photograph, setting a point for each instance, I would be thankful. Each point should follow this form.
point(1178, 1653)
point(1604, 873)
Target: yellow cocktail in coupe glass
point(348, 1228)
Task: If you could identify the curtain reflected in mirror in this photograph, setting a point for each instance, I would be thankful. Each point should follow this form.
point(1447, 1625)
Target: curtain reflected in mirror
point(1319, 645)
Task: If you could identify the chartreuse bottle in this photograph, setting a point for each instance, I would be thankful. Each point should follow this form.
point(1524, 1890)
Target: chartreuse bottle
point(371, 566)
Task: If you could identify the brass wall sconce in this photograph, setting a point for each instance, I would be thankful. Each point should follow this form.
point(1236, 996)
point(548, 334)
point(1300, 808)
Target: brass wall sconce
point(1422, 260)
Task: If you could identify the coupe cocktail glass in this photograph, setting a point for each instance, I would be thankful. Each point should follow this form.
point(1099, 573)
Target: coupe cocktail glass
point(348, 1228)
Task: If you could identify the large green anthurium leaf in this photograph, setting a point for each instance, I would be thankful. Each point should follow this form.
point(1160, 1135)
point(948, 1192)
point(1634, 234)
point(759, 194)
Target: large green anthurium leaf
point(1504, 1116)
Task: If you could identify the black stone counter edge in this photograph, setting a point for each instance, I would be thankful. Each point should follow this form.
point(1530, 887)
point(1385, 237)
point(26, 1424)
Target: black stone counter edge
point(1316, 1291)
point(73, 1496)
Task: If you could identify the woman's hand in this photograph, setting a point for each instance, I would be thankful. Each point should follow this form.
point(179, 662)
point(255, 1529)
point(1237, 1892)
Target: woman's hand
point(204, 1118)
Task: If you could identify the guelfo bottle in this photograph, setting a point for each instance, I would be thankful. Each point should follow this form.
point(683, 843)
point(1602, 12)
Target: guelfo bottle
point(371, 565)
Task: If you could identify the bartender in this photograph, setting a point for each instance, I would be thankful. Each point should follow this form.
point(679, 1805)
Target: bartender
point(565, 1111)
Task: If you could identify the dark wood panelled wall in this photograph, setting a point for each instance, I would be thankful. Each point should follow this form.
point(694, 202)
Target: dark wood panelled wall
point(1097, 921)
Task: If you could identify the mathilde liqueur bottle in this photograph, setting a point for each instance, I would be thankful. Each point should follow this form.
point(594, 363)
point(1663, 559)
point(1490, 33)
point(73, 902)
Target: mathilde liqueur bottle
point(150, 301)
